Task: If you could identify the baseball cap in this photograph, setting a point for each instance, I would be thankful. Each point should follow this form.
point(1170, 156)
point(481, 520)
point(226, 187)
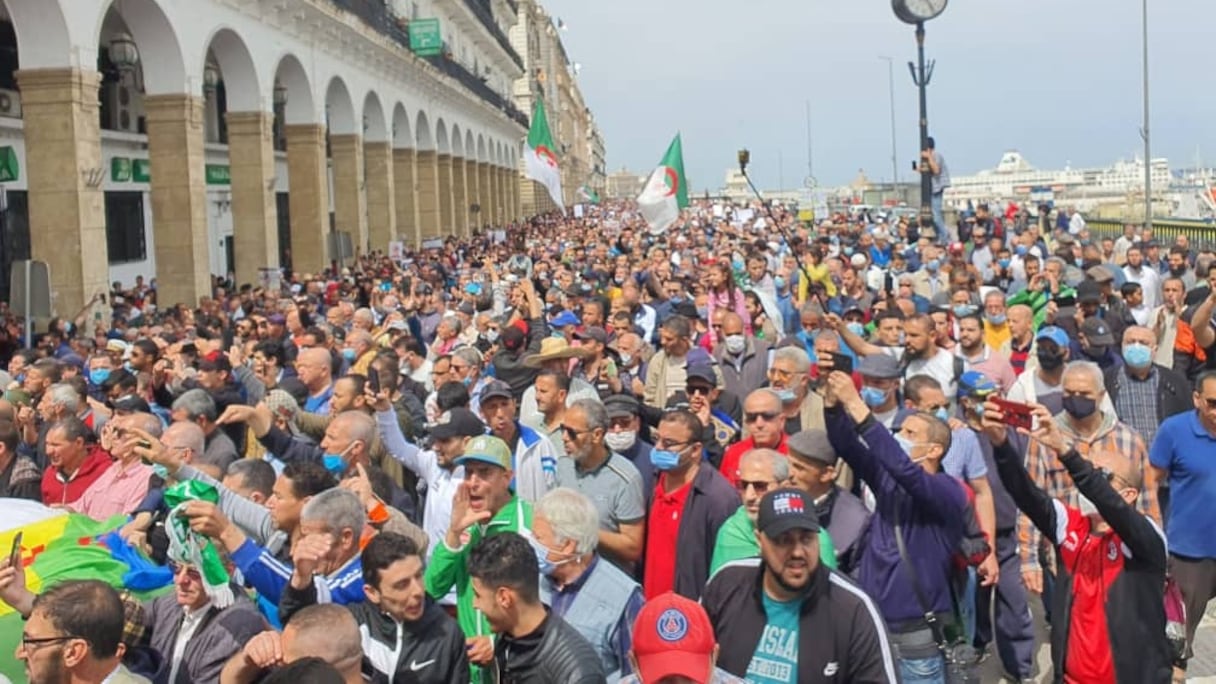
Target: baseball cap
point(495, 388)
point(621, 406)
point(813, 445)
point(1054, 334)
point(116, 346)
point(975, 384)
point(593, 333)
point(672, 637)
point(786, 509)
point(563, 319)
point(486, 449)
point(702, 371)
point(457, 422)
point(215, 361)
point(879, 366)
point(1097, 332)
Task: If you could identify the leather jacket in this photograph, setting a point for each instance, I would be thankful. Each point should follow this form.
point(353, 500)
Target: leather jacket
point(555, 652)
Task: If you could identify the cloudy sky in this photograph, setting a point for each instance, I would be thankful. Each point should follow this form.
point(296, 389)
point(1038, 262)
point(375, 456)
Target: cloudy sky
point(1059, 80)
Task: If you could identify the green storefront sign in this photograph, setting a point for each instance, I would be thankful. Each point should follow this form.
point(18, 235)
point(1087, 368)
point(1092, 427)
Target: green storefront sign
point(120, 169)
point(10, 169)
point(217, 174)
point(141, 171)
point(425, 37)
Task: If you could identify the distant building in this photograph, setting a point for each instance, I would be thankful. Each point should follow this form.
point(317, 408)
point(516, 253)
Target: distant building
point(625, 184)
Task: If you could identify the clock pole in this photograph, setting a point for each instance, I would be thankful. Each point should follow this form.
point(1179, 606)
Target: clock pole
point(921, 75)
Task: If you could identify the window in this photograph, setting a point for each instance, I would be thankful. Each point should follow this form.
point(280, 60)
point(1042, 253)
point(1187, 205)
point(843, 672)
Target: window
point(125, 227)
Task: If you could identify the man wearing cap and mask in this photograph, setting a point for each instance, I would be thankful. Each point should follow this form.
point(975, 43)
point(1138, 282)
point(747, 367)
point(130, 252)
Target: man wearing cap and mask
point(674, 641)
point(787, 617)
point(625, 437)
point(880, 376)
point(1096, 342)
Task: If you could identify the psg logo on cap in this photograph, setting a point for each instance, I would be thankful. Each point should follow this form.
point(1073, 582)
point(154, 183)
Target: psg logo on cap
point(672, 625)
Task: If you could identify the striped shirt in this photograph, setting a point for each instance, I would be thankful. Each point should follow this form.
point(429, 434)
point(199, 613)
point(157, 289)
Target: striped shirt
point(1136, 402)
point(1046, 471)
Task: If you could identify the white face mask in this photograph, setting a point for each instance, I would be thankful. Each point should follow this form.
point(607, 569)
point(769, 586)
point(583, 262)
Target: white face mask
point(735, 344)
point(621, 441)
point(626, 358)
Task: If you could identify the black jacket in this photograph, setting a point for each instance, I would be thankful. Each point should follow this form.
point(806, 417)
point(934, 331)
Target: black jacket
point(509, 366)
point(841, 636)
point(555, 652)
point(1133, 600)
point(431, 649)
point(1173, 390)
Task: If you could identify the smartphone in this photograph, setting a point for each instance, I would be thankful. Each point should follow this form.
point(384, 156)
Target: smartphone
point(841, 362)
point(1014, 414)
point(14, 555)
point(373, 380)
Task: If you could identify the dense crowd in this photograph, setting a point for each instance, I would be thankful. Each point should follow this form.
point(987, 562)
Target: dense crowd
point(573, 450)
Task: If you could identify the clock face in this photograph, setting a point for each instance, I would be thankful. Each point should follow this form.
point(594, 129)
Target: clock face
point(914, 11)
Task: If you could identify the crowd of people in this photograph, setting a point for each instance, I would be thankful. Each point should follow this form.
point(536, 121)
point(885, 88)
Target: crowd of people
point(575, 450)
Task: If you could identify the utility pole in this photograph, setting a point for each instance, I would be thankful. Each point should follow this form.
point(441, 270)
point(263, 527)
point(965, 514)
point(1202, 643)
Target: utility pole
point(810, 156)
point(894, 147)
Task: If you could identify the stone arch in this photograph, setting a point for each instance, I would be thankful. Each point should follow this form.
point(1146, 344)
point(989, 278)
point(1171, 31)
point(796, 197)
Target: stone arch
point(339, 108)
point(375, 129)
point(403, 135)
point(301, 106)
point(160, 52)
point(241, 88)
point(422, 132)
point(457, 142)
point(441, 137)
point(481, 148)
point(43, 39)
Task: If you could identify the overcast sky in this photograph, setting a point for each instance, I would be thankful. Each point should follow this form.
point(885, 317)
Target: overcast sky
point(1059, 80)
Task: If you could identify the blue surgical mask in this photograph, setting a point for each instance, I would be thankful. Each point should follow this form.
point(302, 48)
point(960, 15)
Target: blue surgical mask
point(856, 328)
point(942, 414)
point(334, 463)
point(906, 444)
point(467, 381)
point(664, 459)
point(872, 396)
point(848, 251)
point(1003, 262)
point(787, 396)
point(738, 264)
point(933, 264)
point(703, 312)
point(1020, 250)
point(99, 375)
point(961, 310)
point(1137, 355)
point(349, 354)
point(779, 283)
point(676, 299)
point(1079, 262)
point(160, 471)
point(996, 319)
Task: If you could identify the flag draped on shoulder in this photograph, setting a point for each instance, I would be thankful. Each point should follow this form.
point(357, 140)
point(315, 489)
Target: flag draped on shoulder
point(540, 159)
point(666, 191)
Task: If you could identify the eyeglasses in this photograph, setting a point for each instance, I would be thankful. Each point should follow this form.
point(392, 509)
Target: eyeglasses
point(760, 486)
point(768, 416)
point(782, 375)
point(1111, 476)
point(691, 390)
point(30, 644)
point(573, 433)
point(666, 444)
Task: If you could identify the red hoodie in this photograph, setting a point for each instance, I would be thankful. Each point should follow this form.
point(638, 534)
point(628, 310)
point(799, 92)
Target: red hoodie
point(58, 490)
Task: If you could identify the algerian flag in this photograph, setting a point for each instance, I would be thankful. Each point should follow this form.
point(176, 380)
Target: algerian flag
point(666, 192)
point(540, 160)
point(588, 194)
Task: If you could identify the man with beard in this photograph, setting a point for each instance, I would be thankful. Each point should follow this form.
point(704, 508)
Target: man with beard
point(608, 479)
point(770, 613)
point(924, 357)
point(978, 356)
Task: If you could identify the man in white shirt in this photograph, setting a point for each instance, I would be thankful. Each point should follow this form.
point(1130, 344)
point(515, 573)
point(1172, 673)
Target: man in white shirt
point(1076, 222)
point(1149, 279)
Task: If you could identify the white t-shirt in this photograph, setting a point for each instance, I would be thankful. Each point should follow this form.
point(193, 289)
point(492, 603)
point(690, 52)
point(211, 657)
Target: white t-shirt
point(940, 367)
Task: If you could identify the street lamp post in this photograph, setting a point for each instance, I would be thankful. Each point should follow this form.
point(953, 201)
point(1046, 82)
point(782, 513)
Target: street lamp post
point(894, 147)
point(1148, 158)
point(917, 12)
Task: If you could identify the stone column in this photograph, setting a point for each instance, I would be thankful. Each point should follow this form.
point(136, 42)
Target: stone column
point(350, 207)
point(179, 197)
point(62, 153)
point(513, 193)
point(381, 195)
point(255, 228)
point(484, 193)
point(405, 188)
point(471, 174)
point(308, 196)
point(460, 198)
point(429, 214)
point(447, 213)
point(500, 180)
point(492, 196)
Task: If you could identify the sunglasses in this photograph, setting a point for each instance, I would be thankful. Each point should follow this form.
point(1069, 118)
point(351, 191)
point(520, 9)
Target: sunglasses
point(572, 433)
point(691, 390)
point(759, 485)
point(768, 416)
point(1210, 403)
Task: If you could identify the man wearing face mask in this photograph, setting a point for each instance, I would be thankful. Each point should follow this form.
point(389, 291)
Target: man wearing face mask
point(1093, 430)
point(1110, 623)
point(880, 378)
point(1143, 393)
point(789, 375)
point(594, 596)
point(691, 501)
point(743, 359)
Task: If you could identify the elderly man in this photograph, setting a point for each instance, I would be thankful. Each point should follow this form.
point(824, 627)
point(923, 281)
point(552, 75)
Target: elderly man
point(196, 406)
point(763, 419)
point(1143, 393)
point(325, 637)
point(1021, 337)
point(813, 469)
point(760, 471)
point(742, 359)
point(359, 351)
point(996, 323)
point(123, 485)
point(1092, 429)
point(606, 478)
point(595, 597)
point(314, 366)
point(789, 375)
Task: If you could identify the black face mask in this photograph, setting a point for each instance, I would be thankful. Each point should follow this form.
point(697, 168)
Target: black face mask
point(1079, 407)
point(1050, 362)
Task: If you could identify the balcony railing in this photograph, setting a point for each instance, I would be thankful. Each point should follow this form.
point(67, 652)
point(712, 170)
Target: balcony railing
point(375, 14)
point(481, 8)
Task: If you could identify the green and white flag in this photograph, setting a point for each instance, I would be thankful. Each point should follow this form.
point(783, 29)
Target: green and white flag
point(540, 159)
point(666, 191)
point(586, 193)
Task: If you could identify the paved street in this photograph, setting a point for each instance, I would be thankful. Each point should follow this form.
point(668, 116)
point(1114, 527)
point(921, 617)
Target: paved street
point(1202, 669)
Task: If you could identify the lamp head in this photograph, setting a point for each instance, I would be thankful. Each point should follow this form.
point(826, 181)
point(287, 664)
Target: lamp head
point(744, 158)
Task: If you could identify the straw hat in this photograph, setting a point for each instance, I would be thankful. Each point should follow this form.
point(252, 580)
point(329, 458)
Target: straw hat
point(554, 348)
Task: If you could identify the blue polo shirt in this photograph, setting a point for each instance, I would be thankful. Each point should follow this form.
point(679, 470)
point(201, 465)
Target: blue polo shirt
point(1185, 449)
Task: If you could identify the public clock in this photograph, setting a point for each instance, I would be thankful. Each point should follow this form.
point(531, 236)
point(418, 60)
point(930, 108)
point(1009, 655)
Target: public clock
point(917, 11)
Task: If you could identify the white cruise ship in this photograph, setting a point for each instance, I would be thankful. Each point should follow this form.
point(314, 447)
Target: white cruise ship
point(1015, 179)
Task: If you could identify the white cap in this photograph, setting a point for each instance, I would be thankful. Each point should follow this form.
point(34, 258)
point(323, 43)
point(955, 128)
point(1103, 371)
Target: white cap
point(858, 260)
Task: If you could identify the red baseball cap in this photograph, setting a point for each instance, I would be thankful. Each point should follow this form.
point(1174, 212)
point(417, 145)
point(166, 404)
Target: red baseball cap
point(672, 636)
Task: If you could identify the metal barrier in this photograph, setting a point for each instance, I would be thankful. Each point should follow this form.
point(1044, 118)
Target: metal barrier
point(1200, 234)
